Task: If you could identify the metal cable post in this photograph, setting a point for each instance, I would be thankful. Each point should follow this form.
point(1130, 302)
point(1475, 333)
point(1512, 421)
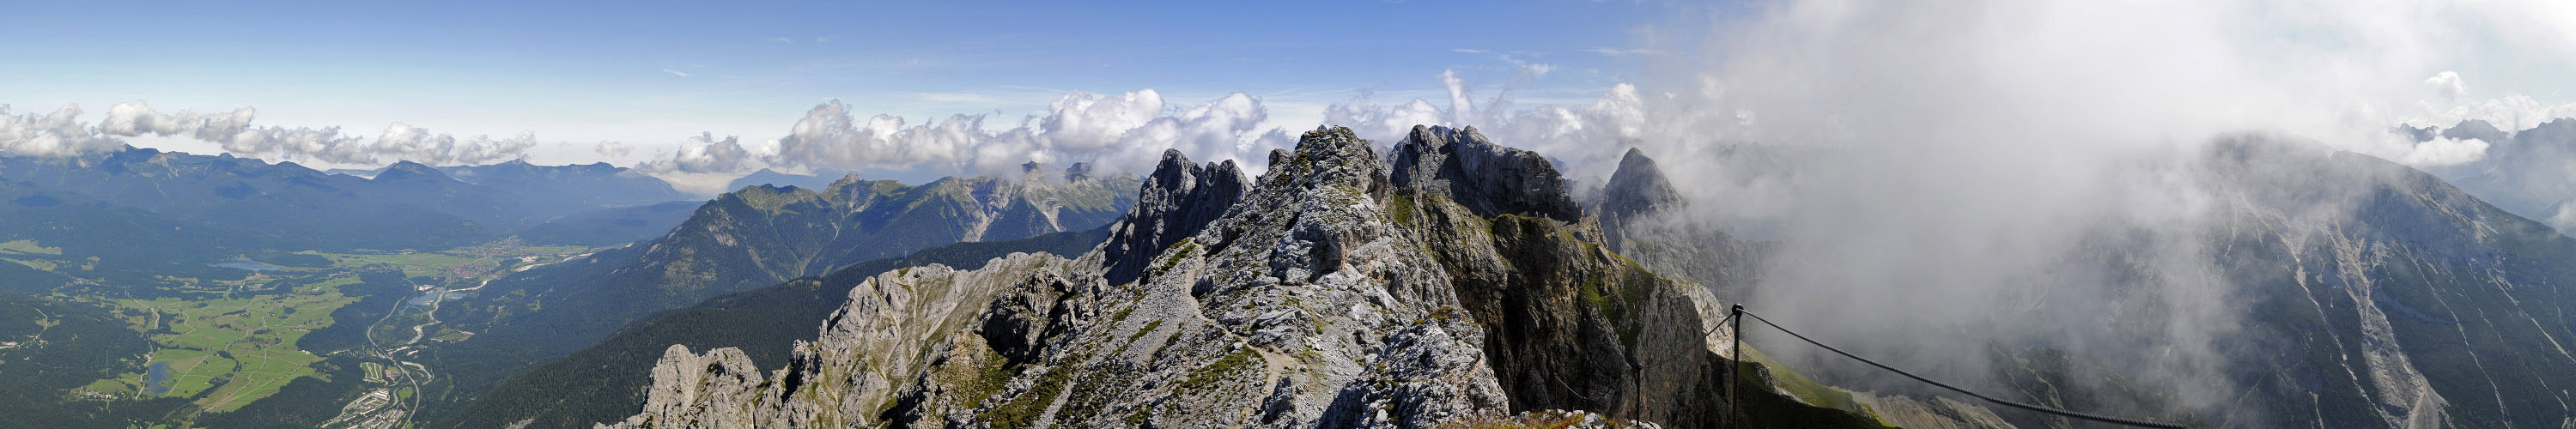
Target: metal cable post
point(1735, 363)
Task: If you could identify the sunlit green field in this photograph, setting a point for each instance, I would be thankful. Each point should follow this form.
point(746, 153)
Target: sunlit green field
point(228, 352)
point(248, 344)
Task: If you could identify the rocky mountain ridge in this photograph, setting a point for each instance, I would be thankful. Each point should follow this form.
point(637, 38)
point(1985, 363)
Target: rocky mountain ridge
point(754, 237)
point(1458, 281)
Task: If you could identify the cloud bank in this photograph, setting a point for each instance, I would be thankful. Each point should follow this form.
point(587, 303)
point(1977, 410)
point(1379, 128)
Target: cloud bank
point(62, 134)
point(1126, 131)
point(55, 134)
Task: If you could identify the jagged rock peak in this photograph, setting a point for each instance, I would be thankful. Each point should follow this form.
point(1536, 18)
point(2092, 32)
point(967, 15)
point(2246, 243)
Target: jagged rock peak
point(1081, 171)
point(2476, 129)
point(1490, 179)
point(1328, 157)
point(1637, 189)
point(1176, 201)
point(686, 383)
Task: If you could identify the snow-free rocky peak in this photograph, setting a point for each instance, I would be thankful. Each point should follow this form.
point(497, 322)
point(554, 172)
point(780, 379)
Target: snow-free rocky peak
point(1326, 295)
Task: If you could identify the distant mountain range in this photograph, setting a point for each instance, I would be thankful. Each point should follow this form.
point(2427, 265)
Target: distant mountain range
point(754, 237)
point(2526, 172)
point(818, 180)
point(402, 206)
point(564, 189)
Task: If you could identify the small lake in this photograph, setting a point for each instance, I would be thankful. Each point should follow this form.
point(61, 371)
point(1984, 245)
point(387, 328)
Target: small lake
point(246, 265)
point(156, 379)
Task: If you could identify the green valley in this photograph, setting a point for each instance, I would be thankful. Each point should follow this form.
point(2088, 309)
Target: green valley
point(222, 342)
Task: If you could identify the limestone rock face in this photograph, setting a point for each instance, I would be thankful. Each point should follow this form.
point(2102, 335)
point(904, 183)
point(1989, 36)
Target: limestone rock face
point(688, 384)
point(1337, 290)
point(1176, 201)
point(893, 326)
point(1490, 179)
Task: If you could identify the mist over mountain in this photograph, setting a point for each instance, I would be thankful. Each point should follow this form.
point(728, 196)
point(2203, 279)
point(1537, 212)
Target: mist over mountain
point(2522, 171)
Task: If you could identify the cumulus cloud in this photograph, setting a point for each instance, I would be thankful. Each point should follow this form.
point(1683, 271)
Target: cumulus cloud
point(56, 134)
point(612, 149)
point(1123, 131)
point(2447, 85)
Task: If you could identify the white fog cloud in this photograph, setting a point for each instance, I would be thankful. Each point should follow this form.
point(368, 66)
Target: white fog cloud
point(2444, 151)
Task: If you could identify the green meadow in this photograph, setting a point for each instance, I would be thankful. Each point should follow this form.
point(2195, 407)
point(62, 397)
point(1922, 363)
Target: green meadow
point(227, 352)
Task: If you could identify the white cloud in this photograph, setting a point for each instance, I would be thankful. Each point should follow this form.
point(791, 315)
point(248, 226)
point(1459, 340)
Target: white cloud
point(1125, 131)
point(56, 134)
point(2446, 85)
point(62, 134)
point(1461, 105)
point(612, 149)
point(1384, 122)
point(2444, 151)
point(676, 72)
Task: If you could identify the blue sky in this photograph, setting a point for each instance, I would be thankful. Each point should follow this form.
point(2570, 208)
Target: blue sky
point(584, 72)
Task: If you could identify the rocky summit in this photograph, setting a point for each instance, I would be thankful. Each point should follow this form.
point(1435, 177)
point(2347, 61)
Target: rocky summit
point(1454, 283)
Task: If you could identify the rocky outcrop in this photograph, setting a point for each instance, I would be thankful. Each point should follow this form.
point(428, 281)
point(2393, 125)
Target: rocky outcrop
point(1330, 295)
point(1178, 200)
point(689, 384)
point(873, 348)
point(1298, 308)
point(1490, 179)
point(1644, 218)
point(1638, 194)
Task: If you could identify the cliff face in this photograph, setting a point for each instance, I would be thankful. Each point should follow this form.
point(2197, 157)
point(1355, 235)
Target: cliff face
point(1460, 282)
point(1177, 200)
point(1644, 218)
point(1487, 178)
